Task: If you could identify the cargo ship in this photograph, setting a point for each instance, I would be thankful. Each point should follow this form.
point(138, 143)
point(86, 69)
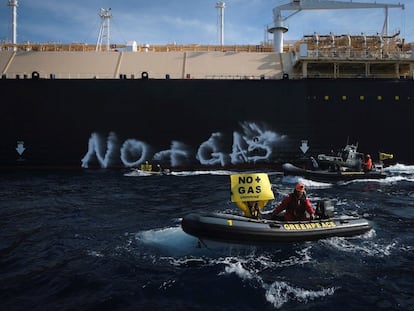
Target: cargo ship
point(207, 107)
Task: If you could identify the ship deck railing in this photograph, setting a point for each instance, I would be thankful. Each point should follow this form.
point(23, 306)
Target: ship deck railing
point(83, 47)
point(136, 76)
point(348, 76)
point(290, 76)
point(357, 55)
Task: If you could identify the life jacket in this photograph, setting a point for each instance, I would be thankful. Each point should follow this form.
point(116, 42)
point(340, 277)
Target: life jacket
point(296, 207)
point(369, 164)
point(252, 211)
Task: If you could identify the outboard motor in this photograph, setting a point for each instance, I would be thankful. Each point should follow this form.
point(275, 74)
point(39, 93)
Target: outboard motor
point(324, 209)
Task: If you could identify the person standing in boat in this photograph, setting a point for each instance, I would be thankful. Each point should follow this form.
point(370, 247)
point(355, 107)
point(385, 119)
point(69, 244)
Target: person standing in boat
point(367, 165)
point(314, 164)
point(296, 205)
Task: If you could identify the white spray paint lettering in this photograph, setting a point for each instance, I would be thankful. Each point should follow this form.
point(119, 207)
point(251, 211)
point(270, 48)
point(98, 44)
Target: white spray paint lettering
point(251, 145)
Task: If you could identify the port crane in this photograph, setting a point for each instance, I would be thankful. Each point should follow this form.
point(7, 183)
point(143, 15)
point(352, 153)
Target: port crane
point(297, 6)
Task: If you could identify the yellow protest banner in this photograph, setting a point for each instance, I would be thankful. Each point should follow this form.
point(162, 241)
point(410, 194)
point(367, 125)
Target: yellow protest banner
point(251, 187)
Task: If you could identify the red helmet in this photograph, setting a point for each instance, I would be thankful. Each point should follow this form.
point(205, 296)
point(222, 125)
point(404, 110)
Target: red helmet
point(300, 187)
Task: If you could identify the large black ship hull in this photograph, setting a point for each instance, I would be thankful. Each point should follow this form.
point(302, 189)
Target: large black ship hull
point(102, 123)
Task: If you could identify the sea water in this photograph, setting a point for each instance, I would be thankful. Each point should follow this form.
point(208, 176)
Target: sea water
point(100, 240)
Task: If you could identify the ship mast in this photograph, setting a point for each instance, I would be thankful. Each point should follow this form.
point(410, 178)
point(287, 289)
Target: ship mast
point(299, 5)
point(13, 4)
point(105, 15)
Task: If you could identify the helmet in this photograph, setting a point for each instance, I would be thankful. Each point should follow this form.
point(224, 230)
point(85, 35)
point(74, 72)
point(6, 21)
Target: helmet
point(368, 156)
point(300, 187)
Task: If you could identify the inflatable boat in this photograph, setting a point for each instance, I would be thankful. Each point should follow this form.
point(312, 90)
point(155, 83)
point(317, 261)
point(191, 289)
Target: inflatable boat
point(329, 175)
point(146, 169)
point(255, 227)
point(230, 228)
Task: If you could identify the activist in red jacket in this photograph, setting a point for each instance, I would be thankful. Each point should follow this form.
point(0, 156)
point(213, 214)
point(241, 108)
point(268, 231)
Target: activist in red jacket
point(367, 165)
point(296, 204)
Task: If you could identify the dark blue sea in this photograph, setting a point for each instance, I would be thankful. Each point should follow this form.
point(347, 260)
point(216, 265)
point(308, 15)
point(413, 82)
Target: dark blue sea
point(99, 240)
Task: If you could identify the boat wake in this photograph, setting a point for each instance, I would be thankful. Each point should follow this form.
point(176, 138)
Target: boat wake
point(370, 248)
point(250, 264)
point(172, 241)
point(397, 173)
point(136, 173)
point(262, 268)
point(400, 169)
point(195, 173)
point(388, 180)
point(276, 291)
point(310, 184)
